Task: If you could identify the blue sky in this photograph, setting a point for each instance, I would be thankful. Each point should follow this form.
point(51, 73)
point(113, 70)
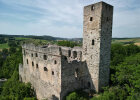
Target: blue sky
point(64, 18)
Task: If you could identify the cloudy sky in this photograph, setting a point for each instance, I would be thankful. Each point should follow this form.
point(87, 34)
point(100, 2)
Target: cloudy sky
point(64, 18)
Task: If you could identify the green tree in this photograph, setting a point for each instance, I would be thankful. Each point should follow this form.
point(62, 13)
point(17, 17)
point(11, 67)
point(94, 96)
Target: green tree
point(2, 40)
point(77, 95)
point(13, 89)
point(12, 50)
point(12, 44)
point(5, 51)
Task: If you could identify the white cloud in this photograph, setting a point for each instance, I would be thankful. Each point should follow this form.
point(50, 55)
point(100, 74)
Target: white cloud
point(64, 18)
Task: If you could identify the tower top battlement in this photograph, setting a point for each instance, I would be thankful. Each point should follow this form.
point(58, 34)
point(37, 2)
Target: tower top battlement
point(101, 2)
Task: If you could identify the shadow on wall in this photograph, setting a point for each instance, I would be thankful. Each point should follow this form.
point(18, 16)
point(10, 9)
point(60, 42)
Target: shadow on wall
point(86, 80)
point(82, 76)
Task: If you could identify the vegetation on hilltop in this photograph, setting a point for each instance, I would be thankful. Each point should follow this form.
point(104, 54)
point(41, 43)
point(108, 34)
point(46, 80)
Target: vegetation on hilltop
point(124, 78)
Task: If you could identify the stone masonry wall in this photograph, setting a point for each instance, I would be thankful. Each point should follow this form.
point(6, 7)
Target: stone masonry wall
point(105, 46)
point(43, 72)
point(96, 42)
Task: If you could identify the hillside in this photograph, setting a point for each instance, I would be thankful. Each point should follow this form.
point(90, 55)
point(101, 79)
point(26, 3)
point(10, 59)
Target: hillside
point(136, 41)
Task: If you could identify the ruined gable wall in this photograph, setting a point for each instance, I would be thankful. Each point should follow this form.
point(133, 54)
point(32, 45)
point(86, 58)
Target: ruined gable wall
point(72, 53)
point(74, 73)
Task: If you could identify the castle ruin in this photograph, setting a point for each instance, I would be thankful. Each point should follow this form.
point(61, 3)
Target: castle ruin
point(55, 71)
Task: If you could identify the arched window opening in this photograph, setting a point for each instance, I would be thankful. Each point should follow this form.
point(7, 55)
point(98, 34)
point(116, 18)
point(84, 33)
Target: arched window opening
point(52, 72)
point(32, 63)
point(69, 53)
point(74, 54)
point(37, 66)
point(27, 61)
point(55, 62)
point(89, 85)
point(45, 69)
point(45, 57)
point(92, 8)
point(32, 54)
point(36, 54)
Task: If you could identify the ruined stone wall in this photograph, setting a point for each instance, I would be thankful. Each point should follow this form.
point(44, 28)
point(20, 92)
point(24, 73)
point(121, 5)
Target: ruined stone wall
point(96, 42)
point(72, 53)
point(74, 73)
point(43, 72)
point(44, 67)
point(74, 76)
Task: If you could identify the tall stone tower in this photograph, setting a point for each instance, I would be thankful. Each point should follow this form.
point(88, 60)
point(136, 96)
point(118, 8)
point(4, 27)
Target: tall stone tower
point(97, 43)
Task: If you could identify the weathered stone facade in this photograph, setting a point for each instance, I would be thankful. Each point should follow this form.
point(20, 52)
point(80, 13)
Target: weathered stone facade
point(97, 42)
point(55, 71)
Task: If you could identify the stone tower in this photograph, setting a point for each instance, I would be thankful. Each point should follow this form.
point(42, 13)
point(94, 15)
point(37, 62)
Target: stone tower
point(97, 43)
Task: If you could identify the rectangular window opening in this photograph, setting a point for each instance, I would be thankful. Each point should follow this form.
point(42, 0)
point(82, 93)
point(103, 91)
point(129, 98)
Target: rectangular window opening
point(37, 66)
point(32, 63)
point(92, 8)
point(45, 57)
point(52, 72)
point(91, 18)
point(45, 69)
point(92, 42)
point(32, 54)
point(27, 61)
point(36, 55)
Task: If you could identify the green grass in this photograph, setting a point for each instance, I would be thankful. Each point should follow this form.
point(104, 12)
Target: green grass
point(21, 38)
point(127, 41)
point(5, 45)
